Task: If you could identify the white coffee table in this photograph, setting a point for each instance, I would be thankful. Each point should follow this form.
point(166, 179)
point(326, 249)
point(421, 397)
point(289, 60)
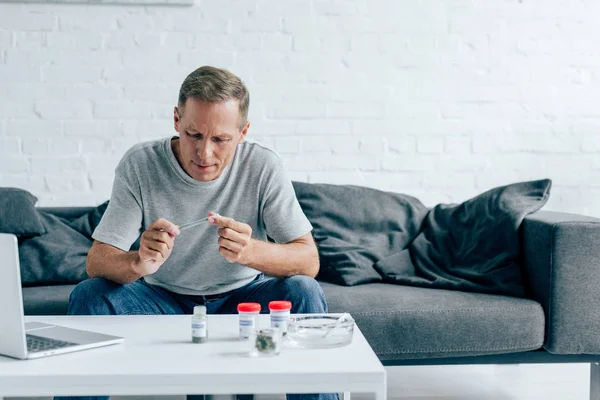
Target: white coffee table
point(158, 358)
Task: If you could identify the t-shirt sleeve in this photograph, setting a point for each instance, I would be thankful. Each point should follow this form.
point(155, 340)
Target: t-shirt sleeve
point(282, 215)
point(121, 223)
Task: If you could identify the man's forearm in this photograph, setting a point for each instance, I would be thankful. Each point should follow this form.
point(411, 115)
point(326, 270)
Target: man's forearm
point(105, 261)
point(284, 259)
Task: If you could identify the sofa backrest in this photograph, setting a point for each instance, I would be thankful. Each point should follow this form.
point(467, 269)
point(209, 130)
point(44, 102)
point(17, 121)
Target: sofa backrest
point(67, 212)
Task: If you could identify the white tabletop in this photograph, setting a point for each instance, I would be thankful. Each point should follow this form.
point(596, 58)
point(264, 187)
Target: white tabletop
point(158, 357)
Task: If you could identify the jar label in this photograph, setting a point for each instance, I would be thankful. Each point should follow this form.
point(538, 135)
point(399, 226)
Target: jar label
point(280, 321)
point(199, 329)
point(247, 325)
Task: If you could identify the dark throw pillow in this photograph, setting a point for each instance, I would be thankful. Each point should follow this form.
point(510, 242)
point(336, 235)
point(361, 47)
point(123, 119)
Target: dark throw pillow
point(475, 245)
point(59, 256)
point(355, 226)
point(18, 214)
point(89, 221)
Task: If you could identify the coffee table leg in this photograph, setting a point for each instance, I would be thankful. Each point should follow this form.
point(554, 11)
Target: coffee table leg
point(381, 394)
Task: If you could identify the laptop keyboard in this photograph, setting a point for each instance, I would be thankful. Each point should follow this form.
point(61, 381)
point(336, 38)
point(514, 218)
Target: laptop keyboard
point(37, 343)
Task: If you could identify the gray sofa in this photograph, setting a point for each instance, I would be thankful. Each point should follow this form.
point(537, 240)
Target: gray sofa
point(558, 322)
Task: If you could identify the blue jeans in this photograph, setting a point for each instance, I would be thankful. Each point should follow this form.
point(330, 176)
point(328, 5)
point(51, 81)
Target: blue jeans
point(98, 296)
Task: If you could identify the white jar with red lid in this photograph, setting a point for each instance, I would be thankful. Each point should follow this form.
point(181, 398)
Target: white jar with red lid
point(280, 314)
point(248, 313)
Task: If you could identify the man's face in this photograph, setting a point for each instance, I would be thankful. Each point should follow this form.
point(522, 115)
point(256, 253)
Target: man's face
point(208, 137)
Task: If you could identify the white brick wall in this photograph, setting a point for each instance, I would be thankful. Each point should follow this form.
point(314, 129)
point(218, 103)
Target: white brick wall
point(441, 100)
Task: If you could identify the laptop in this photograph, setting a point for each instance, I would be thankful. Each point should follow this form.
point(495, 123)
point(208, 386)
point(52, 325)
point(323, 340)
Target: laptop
point(33, 339)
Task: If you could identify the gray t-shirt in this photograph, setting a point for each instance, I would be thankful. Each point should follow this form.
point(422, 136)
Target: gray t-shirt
point(150, 184)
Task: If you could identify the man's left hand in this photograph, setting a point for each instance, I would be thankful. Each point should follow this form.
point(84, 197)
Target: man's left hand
point(235, 238)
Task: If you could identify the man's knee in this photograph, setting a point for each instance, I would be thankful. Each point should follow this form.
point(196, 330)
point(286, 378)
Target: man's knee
point(90, 297)
point(302, 284)
point(305, 294)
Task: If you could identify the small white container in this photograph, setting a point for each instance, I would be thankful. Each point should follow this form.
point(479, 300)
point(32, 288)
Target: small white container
point(199, 328)
point(248, 314)
point(267, 342)
point(280, 314)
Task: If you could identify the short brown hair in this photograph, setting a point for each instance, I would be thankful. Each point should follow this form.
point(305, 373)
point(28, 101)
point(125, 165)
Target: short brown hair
point(213, 84)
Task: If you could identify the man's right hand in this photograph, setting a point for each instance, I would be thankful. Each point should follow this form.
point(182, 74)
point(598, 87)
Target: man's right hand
point(155, 246)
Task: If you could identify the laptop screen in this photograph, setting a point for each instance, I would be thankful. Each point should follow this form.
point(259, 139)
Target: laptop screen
point(12, 328)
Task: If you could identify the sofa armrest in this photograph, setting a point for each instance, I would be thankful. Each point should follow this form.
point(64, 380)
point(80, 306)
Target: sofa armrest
point(562, 267)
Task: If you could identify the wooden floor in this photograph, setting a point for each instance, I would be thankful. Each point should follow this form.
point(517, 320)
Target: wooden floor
point(466, 382)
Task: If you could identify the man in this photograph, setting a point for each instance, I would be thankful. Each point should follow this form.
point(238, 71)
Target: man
point(208, 170)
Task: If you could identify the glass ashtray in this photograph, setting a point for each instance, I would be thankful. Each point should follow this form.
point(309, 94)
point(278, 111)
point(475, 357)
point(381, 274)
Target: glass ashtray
point(320, 331)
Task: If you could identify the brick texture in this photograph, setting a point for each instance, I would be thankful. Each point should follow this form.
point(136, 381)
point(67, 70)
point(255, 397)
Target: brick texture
point(441, 100)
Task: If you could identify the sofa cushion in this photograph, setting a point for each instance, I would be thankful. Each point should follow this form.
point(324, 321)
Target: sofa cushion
point(366, 235)
point(18, 214)
point(86, 223)
point(472, 246)
point(402, 322)
point(47, 300)
point(355, 226)
point(59, 256)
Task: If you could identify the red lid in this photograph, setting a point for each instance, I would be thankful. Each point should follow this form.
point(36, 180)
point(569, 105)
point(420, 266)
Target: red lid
point(248, 307)
point(280, 305)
